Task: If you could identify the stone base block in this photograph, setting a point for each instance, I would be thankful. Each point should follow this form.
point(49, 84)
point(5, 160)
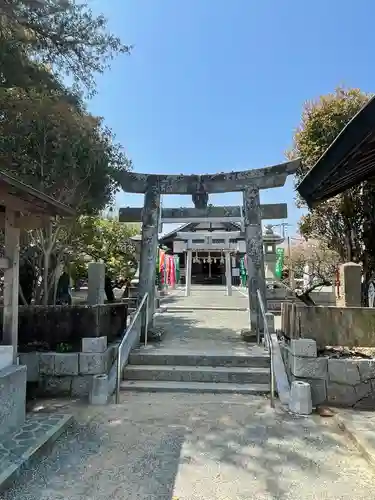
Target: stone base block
point(81, 385)
point(303, 348)
point(54, 386)
point(6, 356)
point(31, 360)
point(94, 344)
point(344, 371)
point(66, 363)
point(99, 390)
point(93, 363)
point(300, 398)
point(302, 367)
point(12, 397)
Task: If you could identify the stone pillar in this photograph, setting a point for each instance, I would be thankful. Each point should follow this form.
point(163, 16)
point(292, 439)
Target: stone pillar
point(228, 273)
point(149, 246)
point(96, 277)
point(189, 259)
point(254, 252)
point(350, 284)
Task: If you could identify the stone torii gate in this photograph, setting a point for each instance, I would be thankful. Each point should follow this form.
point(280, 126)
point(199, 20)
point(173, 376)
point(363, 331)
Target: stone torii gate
point(199, 187)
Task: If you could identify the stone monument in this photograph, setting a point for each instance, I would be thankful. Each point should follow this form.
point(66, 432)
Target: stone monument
point(249, 182)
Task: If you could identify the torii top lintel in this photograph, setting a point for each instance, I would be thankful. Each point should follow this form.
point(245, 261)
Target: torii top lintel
point(263, 178)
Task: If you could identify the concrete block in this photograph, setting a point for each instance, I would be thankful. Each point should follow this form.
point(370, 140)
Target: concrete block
point(94, 344)
point(57, 386)
point(363, 390)
point(46, 363)
point(300, 398)
point(303, 347)
point(270, 318)
point(308, 367)
point(81, 385)
point(12, 397)
point(344, 371)
point(6, 356)
point(31, 360)
point(318, 390)
point(366, 369)
point(340, 394)
point(93, 363)
point(66, 363)
point(99, 390)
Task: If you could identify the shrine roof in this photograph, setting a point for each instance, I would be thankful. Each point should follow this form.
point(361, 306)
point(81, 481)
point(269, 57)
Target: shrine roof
point(24, 198)
point(348, 161)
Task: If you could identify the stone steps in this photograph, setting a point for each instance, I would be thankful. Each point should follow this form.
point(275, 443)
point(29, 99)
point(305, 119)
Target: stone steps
point(161, 370)
point(214, 374)
point(163, 357)
point(193, 387)
point(20, 448)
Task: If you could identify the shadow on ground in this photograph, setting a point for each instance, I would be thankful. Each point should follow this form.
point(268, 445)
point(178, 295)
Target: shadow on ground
point(155, 446)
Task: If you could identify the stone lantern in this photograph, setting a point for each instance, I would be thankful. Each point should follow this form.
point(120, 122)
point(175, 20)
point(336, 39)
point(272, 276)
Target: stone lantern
point(270, 241)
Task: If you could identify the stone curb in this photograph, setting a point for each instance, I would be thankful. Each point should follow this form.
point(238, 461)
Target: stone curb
point(26, 460)
point(205, 308)
point(369, 456)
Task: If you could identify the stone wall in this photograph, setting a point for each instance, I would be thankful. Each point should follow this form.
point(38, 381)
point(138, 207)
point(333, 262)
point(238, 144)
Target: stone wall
point(69, 374)
point(54, 325)
point(331, 326)
point(343, 381)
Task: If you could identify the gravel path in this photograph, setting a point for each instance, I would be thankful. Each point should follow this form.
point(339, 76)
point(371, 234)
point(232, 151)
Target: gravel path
point(195, 447)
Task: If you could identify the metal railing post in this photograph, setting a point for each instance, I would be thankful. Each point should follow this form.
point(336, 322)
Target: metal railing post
point(146, 325)
point(118, 375)
point(268, 342)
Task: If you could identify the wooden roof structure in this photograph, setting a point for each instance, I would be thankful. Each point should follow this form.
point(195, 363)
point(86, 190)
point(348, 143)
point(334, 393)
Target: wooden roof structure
point(348, 161)
point(21, 207)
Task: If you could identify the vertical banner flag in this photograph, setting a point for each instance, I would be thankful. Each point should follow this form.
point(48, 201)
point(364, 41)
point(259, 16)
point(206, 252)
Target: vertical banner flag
point(280, 252)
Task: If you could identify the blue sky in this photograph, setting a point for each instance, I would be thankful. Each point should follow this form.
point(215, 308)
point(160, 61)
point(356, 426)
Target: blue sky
point(215, 85)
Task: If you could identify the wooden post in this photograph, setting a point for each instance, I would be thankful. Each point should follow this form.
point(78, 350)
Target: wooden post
point(11, 282)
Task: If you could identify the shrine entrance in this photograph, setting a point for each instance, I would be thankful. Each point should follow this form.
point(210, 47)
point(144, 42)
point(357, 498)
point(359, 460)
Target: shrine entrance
point(248, 217)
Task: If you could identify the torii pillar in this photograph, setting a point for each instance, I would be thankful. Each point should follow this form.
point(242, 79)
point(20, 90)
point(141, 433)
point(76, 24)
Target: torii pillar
point(149, 247)
point(254, 252)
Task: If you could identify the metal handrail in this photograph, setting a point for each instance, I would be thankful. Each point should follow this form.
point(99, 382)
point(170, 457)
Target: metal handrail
point(268, 342)
point(145, 300)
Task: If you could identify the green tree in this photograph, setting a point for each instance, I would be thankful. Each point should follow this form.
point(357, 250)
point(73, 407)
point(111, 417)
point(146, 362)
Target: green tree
point(62, 150)
point(63, 34)
point(337, 223)
point(104, 239)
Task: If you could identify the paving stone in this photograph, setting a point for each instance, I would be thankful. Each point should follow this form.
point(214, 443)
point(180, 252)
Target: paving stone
point(19, 448)
point(94, 344)
point(344, 371)
point(308, 367)
point(66, 363)
point(303, 348)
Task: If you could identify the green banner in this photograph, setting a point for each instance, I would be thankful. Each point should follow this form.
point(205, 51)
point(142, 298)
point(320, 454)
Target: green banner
point(280, 253)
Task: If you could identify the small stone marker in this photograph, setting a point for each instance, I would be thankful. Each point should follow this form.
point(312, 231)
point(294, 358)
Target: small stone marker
point(371, 294)
point(351, 285)
point(300, 398)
